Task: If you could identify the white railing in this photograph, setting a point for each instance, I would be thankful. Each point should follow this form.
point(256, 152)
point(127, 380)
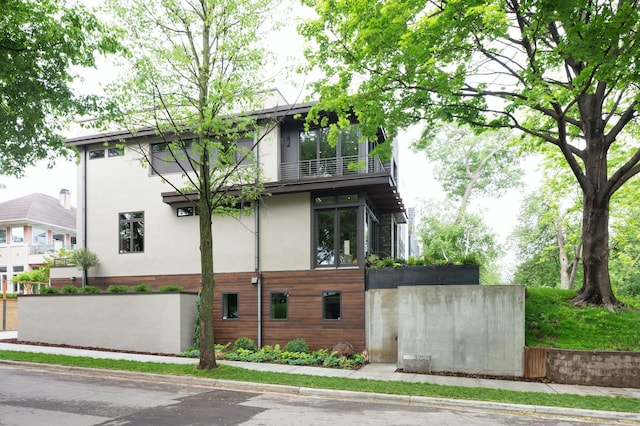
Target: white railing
point(326, 167)
point(35, 249)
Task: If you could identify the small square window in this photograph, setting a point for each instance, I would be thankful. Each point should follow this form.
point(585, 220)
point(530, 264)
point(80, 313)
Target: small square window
point(98, 153)
point(230, 306)
point(331, 305)
point(115, 151)
point(185, 211)
point(279, 306)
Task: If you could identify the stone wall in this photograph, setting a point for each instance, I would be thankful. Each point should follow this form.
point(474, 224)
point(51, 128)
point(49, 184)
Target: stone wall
point(616, 369)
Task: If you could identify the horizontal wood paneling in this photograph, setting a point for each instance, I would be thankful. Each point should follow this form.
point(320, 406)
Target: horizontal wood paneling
point(304, 320)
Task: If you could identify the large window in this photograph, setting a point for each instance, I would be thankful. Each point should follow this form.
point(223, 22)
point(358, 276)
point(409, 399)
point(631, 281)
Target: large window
point(17, 234)
point(336, 222)
point(171, 158)
point(131, 236)
point(230, 306)
point(318, 157)
point(38, 236)
point(279, 306)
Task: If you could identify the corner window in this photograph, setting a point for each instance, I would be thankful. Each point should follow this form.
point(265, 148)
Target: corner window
point(131, 237)
point(115, 151)
point(17, 235)
point(279, 306)
point(230, 306)
point(336, 231)
point(331, 305)
point(96, 153)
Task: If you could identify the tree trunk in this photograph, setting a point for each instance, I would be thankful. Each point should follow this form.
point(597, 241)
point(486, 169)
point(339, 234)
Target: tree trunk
point(207, 342)
point(565, 278)
point(596, 288)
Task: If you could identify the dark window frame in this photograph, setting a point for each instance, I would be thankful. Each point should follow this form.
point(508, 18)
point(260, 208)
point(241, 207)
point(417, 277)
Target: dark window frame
point(96, 154)
point(226, 313)
point(327, 294)
point(128, 243)
point(284, 296)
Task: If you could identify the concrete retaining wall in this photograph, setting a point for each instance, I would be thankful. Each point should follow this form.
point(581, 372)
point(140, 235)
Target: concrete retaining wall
point(617, 369)
point(143, 322)
point(466, 329)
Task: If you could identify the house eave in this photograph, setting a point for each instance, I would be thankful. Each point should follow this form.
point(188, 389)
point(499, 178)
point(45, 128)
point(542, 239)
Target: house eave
point(380, 188)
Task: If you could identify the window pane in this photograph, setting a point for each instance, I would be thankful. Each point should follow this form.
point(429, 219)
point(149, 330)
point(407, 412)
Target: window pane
point(279, 305)
point(17, 235)
point(131, 232)
point(230, 306)
point(38, 236)
point(244, 154)
point(116, 152)
point(349, 141)
point(3, 236)
point(348, 235)
point(308, 145)
point(325, 252)
point(331, 305)
point(185, 211)
point(99, 153)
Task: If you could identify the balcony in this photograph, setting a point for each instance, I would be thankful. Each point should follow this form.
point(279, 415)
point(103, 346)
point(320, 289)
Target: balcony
point(331, 167)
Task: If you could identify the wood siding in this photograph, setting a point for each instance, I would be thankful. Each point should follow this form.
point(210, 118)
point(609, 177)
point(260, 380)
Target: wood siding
point(304, 305)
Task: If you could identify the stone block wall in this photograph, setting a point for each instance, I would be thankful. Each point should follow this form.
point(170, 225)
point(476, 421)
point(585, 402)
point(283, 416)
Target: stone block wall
point(616, 369)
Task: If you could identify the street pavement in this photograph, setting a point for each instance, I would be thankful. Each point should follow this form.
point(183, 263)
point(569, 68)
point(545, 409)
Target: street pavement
point(385, 372)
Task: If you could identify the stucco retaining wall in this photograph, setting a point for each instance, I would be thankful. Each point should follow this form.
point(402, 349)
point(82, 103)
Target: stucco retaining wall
point(143, 322)
point(617, 369)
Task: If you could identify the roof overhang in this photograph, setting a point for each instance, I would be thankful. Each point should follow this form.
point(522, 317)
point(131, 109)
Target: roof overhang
point(380, 189)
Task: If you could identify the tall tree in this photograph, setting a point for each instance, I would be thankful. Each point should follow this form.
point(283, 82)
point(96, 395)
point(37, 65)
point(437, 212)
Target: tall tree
point(195, 65)
point(42, 44)
point(562, 73)
point(469, 164)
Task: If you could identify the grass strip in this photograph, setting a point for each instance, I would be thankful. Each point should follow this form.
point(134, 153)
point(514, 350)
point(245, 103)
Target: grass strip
point(226, 372)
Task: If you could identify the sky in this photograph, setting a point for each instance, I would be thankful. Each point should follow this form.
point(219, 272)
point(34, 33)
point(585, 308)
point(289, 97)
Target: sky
point(417, 184)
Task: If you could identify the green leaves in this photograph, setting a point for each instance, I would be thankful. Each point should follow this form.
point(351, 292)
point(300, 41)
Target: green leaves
point(40, 43)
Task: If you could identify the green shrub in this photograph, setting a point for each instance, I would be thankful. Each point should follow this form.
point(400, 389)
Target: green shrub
point(245, 343)
point(69, 289)
point(49, 290)
point(171, 288)
point(118, 289)
point(141, 288)
point(90, 289)
point(297, 345)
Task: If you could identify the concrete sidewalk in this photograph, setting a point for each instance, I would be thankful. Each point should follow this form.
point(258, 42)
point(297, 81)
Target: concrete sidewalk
point(386, 372)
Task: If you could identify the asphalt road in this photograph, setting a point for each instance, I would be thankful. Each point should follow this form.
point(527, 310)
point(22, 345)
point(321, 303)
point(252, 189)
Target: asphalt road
point(30, 397)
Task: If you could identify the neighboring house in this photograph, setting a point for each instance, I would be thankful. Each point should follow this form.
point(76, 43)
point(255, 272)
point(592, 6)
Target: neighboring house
point(294, 268)
point(32, 227)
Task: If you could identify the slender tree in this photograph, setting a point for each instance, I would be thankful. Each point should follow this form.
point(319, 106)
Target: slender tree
point(469, 164)
point(561, 73)
point(194, 67)
point(42, 45)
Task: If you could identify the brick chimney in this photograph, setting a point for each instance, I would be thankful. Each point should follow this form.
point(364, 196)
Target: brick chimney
point(65, 198)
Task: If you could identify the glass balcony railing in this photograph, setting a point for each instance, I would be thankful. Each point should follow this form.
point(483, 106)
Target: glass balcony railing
point(35, 249)
point(328, 167)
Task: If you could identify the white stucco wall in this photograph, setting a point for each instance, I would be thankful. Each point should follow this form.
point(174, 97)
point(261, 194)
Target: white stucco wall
point(171, 244)
point(147, 322)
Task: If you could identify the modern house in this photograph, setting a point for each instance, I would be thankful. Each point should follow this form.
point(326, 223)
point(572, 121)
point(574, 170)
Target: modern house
point(294, 268)
point(32, 227)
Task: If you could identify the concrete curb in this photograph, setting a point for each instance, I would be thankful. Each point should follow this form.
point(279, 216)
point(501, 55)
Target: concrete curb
point(422, 401)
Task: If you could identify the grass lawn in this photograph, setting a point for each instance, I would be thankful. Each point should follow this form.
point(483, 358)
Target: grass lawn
point(397, 388)
point(551, 321)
